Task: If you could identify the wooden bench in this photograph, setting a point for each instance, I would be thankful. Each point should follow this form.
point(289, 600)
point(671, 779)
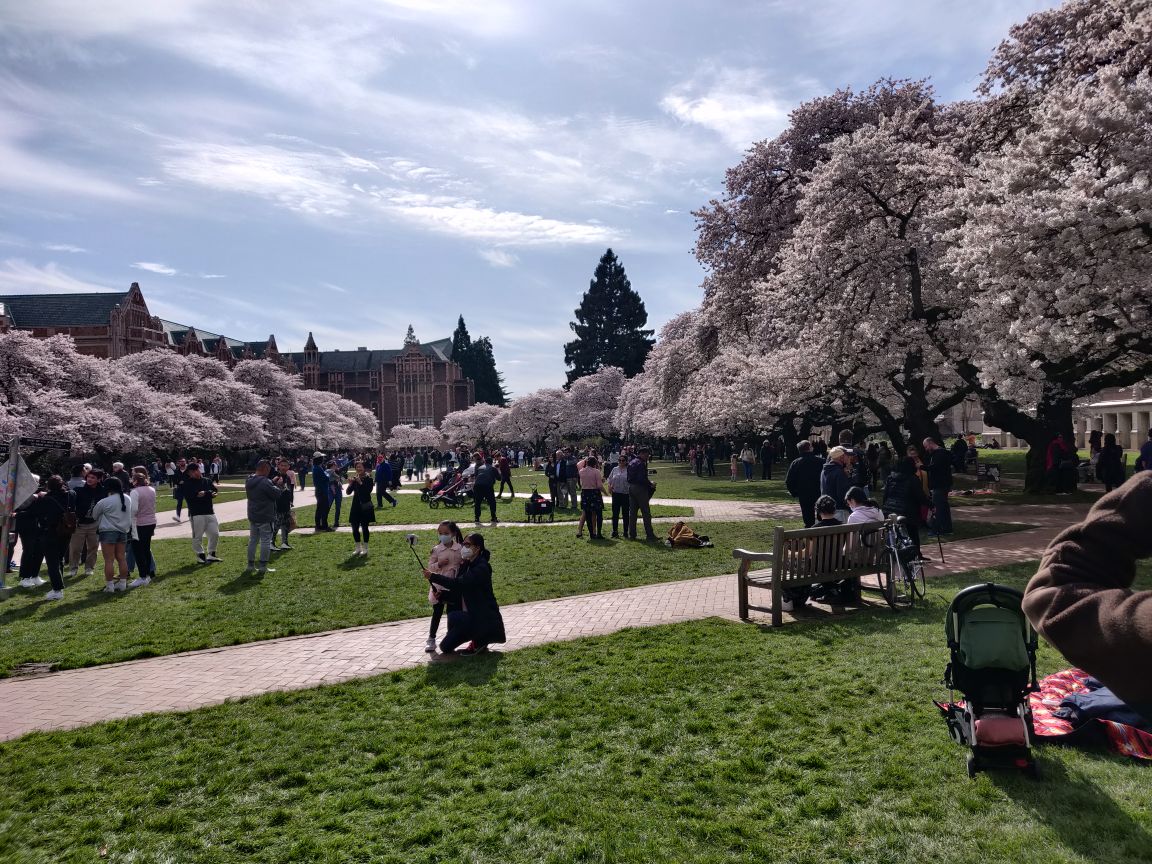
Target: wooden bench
point(808, 556)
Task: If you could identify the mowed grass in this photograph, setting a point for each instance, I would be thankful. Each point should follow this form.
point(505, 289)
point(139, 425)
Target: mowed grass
point(410, 510)
point(319, 586)
point(701, 742)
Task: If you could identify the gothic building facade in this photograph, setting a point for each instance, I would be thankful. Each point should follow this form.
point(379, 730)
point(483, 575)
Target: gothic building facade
point(417, 384)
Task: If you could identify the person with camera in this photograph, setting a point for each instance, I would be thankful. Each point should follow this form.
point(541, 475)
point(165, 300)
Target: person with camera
point(198, 492)
point(361, 513)
point(284, 503)
point(262, 495)
point(445, 560)
point(479, 620)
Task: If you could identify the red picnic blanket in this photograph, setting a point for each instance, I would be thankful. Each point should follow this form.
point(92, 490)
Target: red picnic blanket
point(1123, 739)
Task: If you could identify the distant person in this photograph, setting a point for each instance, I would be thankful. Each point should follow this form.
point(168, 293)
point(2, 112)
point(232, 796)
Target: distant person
point(618, 485)
point(322, 489)
point(198, 491)
point(115, 516)
point(904, 496)
point(640, 490)
point(938, 466)
point(835, 480)
point(1110, 463)
point(361, 513)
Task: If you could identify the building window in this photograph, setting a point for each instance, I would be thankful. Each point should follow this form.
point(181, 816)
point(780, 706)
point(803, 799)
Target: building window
point(374, 380)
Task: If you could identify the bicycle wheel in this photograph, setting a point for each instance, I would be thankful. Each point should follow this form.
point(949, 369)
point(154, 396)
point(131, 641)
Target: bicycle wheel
point(894, 581)
point(916, 579)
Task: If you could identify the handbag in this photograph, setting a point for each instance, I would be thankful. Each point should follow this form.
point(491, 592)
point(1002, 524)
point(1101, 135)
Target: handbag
point(67, 522)
point(291, 520)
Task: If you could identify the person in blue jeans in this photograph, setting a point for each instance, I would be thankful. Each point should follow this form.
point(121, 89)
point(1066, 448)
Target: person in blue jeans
point(322, 490)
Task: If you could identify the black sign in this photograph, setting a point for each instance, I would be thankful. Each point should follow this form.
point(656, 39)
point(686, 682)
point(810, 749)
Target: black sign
point(46, 443)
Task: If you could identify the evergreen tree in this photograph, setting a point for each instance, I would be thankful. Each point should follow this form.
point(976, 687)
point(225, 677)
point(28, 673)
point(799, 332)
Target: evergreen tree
point(461, 342)
point(609, 324)
point(478, 362)
point(488, 381)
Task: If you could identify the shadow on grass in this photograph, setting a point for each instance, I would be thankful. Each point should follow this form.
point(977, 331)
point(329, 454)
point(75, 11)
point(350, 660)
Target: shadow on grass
point(245, 580)
point(1077, 811)
point(455, 671)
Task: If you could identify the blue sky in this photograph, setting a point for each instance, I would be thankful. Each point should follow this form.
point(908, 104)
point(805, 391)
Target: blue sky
point(350, 167)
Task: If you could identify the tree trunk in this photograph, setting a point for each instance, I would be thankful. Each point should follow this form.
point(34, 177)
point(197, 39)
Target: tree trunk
point(1053, 417)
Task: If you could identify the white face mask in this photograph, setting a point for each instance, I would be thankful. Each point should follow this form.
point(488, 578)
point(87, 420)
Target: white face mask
point(466, 552)
point(445, 539)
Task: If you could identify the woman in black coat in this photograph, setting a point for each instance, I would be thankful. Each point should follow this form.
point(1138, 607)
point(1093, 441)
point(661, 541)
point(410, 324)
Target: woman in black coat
point(1110, 464)
point(480, 620)
point(904, 496)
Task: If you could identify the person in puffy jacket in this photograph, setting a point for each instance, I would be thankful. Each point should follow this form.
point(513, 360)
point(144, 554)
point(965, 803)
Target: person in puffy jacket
point(479, 619)
point(904, 496)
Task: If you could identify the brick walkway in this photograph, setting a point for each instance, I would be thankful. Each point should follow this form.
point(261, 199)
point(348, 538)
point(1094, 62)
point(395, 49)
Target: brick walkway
point(179, 682)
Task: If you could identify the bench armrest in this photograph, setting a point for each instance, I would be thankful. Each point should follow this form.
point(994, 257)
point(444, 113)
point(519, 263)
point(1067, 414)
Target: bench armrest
point(745, 555)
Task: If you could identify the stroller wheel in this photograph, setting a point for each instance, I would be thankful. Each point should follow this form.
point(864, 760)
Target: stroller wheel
point(433, 503)
point(973, 765)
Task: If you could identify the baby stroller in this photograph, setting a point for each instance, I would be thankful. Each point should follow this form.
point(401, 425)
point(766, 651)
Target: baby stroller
point(993, 664)
point(453, 495)
point(537, 507)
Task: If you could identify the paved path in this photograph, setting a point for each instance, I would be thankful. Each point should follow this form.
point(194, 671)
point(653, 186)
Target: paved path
point(79, 697)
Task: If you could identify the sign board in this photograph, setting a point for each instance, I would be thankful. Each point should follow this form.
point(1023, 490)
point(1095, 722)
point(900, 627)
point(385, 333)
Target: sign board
point(46, 443)
point(26, 482)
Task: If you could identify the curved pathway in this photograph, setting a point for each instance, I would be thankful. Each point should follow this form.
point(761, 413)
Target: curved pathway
point(73, 698)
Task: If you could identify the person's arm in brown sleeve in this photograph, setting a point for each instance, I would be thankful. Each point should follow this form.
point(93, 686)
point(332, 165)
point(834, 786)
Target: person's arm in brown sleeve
point(1081, 600)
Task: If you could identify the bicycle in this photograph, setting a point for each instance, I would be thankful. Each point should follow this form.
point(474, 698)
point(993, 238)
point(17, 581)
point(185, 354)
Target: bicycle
point(901, 574)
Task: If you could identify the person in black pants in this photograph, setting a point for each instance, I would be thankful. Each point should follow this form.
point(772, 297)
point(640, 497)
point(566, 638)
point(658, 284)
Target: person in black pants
point(767, 455)
point(803, 481)
point(360, 511)
point(479, 620)
point(177, 480)
point(322, 489)
point(618, 486)
point(484, 487)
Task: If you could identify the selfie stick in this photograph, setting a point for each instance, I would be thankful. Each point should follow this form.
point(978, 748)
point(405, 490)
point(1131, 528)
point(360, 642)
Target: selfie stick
point(411, 538)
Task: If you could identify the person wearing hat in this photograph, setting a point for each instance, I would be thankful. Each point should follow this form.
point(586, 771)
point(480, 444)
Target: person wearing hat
point(640, 490)
point(835, 481)
point(198, 492)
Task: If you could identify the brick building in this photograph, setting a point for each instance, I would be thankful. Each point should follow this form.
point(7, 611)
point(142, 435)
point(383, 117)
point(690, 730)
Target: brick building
point(416, 384)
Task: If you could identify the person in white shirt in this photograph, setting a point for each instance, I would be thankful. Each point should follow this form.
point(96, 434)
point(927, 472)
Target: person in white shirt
point(618, 486)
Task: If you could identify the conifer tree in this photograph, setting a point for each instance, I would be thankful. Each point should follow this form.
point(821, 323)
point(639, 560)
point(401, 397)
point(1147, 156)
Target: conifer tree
point(461, 341)
point(478, 362)
point(609, 324)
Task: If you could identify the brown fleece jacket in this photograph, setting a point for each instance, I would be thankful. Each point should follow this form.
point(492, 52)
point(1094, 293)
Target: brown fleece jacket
point(1081, 600)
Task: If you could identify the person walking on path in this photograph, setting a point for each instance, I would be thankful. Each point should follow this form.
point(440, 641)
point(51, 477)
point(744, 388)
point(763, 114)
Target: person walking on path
point(115, 515)
point(262, 495)
point(145, 497)
point(445, 560)
point(479, 620)
point(177, 480)
point(939, 468)
point(640, 490)
point(361, 513)
point(484, 486)
point(382, 482)
point(504, 468)
point(618, 485)
point(199, 492)
point(322, 490)
point(84, 540)
point(803, 481)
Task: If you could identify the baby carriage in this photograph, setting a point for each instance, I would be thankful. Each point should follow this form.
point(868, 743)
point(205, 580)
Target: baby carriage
point(537, 507)
point(456, 494)
point(993, 664)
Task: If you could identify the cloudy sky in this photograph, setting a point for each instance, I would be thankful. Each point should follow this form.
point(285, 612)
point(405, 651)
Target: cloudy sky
point(352, 166)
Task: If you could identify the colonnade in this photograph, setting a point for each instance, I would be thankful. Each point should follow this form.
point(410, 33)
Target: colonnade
point(1130, 426)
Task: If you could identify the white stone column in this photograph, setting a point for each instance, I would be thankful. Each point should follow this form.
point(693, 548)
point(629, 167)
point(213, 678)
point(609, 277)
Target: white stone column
point(1124, 429)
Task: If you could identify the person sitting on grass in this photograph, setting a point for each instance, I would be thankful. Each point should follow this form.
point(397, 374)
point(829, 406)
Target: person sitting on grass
point(445, 560)
point(479, 621)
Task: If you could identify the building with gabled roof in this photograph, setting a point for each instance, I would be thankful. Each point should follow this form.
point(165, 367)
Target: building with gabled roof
point(417, 384)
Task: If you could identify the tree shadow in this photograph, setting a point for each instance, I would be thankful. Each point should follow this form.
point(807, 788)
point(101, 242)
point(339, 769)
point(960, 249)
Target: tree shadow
point(446, 670)
point(1078, 811)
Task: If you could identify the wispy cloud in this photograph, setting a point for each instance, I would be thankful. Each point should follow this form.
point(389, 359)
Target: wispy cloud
point(154, 267)
point(330, 287)
point(64, 247)
point(736, 104)
point(212, 276)
point(18, 276)
point(499, 257)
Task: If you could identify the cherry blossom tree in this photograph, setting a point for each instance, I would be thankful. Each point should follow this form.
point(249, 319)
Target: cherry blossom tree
point(405, 436)
point(591, 403)
point(329, 421)
point(282, 415)
point(537, 418)
point(471, 426)
point(208, 386)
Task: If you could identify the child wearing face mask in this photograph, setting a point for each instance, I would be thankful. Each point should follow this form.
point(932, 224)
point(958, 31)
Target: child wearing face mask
point(445, 560)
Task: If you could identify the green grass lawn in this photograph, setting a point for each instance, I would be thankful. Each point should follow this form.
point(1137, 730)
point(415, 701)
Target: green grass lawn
point(701, 742)
point(410, 510)
point(318, 586)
